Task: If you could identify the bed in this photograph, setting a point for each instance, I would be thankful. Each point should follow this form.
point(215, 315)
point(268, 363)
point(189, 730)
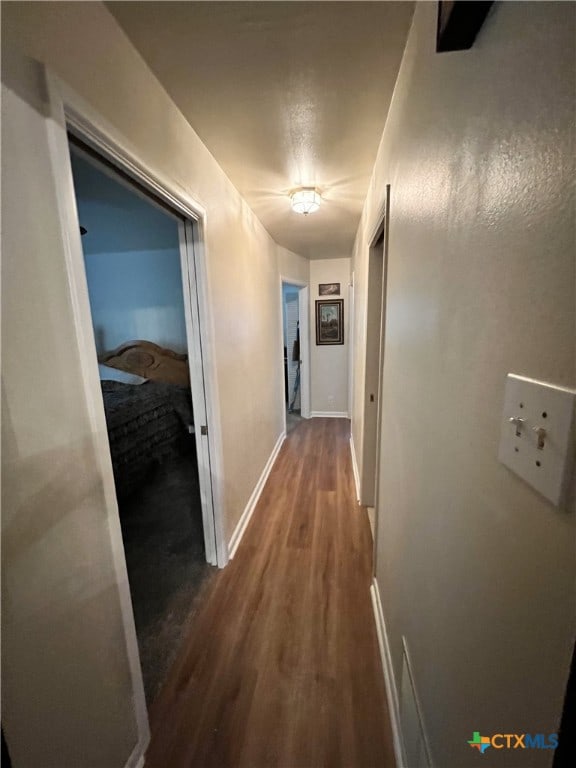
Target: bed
point(148, 411)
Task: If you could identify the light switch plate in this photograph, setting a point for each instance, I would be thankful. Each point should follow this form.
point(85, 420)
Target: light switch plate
point(528, 406)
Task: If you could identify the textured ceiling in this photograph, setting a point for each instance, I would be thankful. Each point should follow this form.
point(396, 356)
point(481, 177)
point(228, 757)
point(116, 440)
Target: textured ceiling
point(283, 94)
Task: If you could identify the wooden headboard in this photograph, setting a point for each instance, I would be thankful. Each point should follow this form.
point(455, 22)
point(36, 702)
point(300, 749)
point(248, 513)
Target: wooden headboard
point(147, 359)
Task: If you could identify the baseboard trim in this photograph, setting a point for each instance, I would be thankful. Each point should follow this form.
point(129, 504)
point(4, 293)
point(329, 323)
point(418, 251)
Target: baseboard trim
point(253, 500)
point(138, 756)
point(355, 468)
point(389, 679)
point(329, 415)
point(407, 668)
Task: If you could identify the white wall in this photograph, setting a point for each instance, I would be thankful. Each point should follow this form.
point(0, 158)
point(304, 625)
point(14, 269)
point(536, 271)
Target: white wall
point(293, 267)
point(475, 569)
point(68, 695)
point(329, 363)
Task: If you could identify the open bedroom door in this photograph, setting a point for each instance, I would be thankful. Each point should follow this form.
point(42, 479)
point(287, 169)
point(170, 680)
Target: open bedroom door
point(141, 274)
point(193, 304)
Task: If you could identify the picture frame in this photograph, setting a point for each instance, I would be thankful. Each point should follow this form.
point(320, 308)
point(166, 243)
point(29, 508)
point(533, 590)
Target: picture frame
point(458, 23)
point(329, 289)
point(329, 321)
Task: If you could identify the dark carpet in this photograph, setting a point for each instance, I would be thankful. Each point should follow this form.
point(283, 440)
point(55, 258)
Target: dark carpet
point(164, 545)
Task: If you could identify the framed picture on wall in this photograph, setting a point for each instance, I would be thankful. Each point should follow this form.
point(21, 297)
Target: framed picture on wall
point(329, 289)
point(330, 321)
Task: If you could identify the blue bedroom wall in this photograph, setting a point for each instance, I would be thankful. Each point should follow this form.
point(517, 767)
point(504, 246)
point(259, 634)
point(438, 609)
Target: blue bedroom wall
point(132, 263)
point(288, 290)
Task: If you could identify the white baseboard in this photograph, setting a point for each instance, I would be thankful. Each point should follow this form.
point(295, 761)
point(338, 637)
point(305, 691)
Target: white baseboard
point(411, 709)
point(138, 756)
point(329, 415)
point(355, 467)
point(253, 500)
point(391, 690)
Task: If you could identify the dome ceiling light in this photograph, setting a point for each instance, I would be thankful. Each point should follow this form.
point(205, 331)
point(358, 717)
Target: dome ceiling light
point(305, 200)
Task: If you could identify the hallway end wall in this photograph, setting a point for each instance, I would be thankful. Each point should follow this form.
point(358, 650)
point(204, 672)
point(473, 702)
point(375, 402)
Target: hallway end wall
point(475, 569)
point(329, 363)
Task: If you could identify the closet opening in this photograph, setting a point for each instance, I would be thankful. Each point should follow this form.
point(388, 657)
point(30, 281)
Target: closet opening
point(145, 327)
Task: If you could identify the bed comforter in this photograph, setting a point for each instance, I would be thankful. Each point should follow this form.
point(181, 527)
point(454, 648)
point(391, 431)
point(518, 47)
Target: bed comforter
point(147, 424)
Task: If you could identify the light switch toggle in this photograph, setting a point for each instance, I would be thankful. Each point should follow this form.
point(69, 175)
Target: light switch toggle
point(518, 423)
point(544, 458)
point(541, 434)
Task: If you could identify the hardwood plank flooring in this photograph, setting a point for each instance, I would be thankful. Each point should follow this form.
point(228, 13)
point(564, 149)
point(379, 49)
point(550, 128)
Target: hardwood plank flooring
point(281, 666)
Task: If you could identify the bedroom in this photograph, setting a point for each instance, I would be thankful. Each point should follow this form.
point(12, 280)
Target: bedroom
point(133, 271)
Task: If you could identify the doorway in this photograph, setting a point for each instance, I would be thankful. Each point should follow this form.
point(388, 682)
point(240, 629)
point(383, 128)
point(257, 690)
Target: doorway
point(375, 340)
point(294, 309)
point(134, 252)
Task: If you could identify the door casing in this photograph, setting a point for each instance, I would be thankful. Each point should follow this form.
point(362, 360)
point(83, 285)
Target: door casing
point(385, 226)
point(304, 319)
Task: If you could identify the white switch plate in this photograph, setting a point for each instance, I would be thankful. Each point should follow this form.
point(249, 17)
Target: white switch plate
point(539, 404)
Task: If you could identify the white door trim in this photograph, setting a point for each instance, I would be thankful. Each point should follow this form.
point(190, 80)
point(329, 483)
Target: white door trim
point(385, 223)
point(193, 335)
point(214, 464)
point(304, 314)
point(351, 345)
point(371, 387)
point(304, 318)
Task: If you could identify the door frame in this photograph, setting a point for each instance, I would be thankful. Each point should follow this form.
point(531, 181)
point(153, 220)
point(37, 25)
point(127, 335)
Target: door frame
point(193, 324)
point(351, 350)
point(82, 122)
point(192, 287)
point(373, 338)
point(68, 112)
point(383, 227)
point(304, 320)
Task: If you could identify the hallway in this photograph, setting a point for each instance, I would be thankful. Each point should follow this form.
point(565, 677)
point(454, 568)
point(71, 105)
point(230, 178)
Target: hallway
point(281, 667)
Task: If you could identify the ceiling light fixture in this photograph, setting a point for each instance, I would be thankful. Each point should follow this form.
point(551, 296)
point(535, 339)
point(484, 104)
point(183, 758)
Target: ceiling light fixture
point(305, 200)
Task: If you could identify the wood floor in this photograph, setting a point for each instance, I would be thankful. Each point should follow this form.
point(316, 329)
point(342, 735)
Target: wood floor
point(281, 667)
